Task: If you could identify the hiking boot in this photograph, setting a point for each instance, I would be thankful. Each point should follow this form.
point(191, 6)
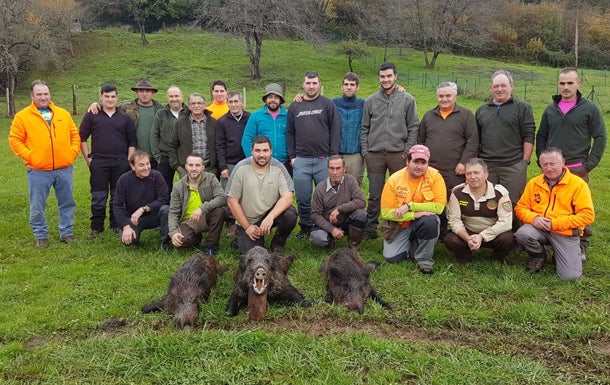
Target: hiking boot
point(304, 232)
point(231, 229)
point(93, 234)
point(354, 236)
point(370, 234)
point(67, 239)
point(210, 250)
point(425, 269)
point(42, 243)
point(277, 244)
point(534, 265)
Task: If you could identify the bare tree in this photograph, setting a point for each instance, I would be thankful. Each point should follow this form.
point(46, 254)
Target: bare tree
point(32, 34)
point(438, 24)
point(256, 20)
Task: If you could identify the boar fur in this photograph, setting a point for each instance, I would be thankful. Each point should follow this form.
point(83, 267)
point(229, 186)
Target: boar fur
point(192, 283)
point(347, 280)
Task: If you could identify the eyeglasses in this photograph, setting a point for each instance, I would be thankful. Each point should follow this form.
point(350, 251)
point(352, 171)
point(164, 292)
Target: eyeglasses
point(197, 103)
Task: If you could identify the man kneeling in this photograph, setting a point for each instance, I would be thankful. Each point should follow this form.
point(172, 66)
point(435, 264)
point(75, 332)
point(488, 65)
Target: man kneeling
point(196, 206)
point(480, 215)
point(141, 200)
point(338, 207)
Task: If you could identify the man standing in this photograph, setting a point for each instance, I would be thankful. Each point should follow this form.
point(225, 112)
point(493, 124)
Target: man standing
point(163, 125)
point(45, 137)
point(350, 109)
point(229, 133)
point(142, 111)
point(141, 201)
point(113, 142)
point(271, 122)
point(506, 135)
point(259, 195)
point(575, 126)
point(480, 215)
point(219, 105)
point(450, 132)
point(313, 133)
point(411, 201)
point(194, 133)
point(555, 208)
point(196, 206)
point(389, 129)
point(338, 207)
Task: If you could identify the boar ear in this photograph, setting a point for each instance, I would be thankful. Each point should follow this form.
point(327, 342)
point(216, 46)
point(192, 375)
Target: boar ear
point(221, 269)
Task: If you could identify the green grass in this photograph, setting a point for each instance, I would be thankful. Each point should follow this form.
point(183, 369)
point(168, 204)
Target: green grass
point(71, 313)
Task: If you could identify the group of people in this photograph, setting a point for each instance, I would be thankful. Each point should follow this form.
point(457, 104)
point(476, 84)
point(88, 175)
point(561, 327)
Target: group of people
point(455, 176)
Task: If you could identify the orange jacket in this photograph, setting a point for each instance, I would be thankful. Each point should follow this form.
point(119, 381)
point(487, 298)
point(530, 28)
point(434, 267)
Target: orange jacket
point(428, 193)
point(568, 205)
point(44, 146)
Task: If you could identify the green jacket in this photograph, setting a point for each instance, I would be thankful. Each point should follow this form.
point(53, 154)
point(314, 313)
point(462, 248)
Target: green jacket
point(161, 134)
point(572, 133)
point(210, 191)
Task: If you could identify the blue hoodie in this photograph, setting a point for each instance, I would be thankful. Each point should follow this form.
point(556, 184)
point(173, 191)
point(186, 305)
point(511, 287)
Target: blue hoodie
point(262, 123)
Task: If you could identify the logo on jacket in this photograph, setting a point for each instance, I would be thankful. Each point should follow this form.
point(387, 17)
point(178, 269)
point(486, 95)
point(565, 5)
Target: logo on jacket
point(537, 197)
point(492, 204)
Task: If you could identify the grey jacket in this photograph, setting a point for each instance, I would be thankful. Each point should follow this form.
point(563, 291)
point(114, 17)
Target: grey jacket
point(389, 122)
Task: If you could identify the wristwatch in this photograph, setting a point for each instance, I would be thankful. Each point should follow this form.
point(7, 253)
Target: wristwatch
point(146, 209)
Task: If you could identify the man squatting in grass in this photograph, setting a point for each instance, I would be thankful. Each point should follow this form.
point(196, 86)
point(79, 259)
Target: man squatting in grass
point(555, 208)
point(141, 201)
point(411, 202)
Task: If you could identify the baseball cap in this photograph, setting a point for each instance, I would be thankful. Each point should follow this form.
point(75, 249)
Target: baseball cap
point(419, 151)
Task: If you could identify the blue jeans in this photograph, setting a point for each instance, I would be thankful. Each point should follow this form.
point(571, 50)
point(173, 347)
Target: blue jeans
point(39, 184)
point(306, 171)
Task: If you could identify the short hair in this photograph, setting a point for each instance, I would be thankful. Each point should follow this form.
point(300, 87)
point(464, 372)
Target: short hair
point(38, 82)
point(138, 154)
point(218, 83)
point(569, 69)
point(453, 86)
point(195, 155)
point(234, 93)
point(106, 88)
point(387, 66)
point(551, 150)
point(176, 87)
point(196, 95)
point(351, 76)
point(477, 162)
point(335, 157)
point(258, 139)
point(312, 75)
point(502, 72)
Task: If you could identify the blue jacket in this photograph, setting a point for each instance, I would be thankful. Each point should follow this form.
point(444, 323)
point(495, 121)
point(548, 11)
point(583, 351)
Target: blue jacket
point(350, 110)
point(262, 123)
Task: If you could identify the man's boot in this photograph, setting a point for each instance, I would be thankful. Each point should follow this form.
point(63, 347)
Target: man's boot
point(354, 236)
point(277, 244)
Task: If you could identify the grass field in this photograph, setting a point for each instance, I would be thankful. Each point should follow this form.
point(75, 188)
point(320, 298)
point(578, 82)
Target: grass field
point(71, 313)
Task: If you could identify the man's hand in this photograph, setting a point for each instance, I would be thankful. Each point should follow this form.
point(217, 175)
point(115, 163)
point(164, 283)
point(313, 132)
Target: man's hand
point(253, 232)
point(475, 241)
point(460, 169)
point(196, 215)
point(298, 98)
point(400, 211)
point(542, 223)
point(128, 235)
point(420, 214)
point(135, 217)
point(334, 216)
point(94, 108)
point(266, 225)
point(224, 174)
point(177, 239)
point(337, 233)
